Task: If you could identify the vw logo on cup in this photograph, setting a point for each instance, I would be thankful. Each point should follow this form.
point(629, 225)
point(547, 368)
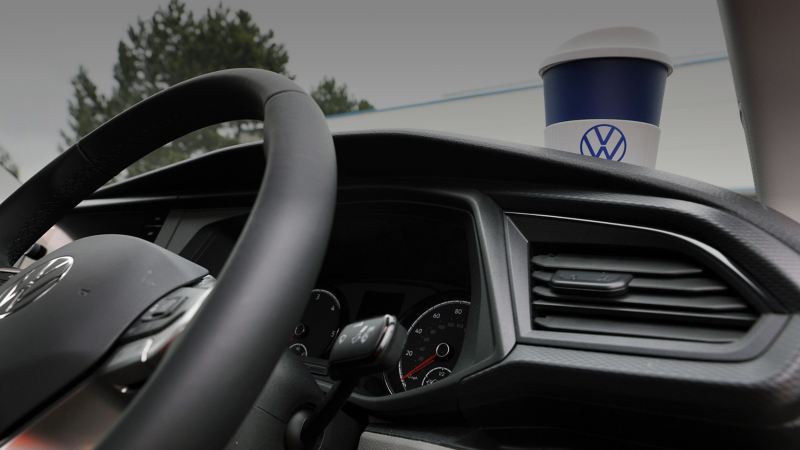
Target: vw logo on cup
point(604, 141)
point(603, 92)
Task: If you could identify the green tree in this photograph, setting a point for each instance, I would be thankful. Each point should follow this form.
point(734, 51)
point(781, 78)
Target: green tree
point(8, 163)
point(334, 98)
point(87, 110)
point(172, 46)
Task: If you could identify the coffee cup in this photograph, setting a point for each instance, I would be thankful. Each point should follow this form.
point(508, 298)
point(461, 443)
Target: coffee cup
point(603, 93)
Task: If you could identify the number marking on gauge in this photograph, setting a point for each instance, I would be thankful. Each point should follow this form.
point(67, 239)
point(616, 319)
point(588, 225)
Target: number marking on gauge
point(319, 325)
point(434, 339)
point(420, 366)
point(436, 374)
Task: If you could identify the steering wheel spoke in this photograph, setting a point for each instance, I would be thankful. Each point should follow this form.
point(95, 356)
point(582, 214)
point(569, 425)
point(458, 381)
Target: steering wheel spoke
point(85, 414)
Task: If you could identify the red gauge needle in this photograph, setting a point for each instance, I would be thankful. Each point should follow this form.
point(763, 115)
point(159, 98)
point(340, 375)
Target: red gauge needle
point(419, 367)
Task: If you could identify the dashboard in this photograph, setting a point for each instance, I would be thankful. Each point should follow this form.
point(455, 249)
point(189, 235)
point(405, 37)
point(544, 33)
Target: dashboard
point(547, 298)
point(413, 261)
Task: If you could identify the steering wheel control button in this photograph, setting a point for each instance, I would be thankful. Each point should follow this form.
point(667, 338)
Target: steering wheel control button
point(159, 316)
point(163, 308)
point(146, 341)
point(368, 346)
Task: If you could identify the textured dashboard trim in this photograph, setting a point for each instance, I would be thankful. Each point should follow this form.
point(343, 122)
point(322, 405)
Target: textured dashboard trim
point(758, 255)
point(762, 391)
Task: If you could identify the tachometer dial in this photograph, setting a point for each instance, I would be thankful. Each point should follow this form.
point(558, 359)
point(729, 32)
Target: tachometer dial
point(433, 344)
point(320, 324)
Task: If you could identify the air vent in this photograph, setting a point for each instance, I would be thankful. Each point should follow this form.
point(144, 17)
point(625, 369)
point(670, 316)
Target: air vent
point(649, 296)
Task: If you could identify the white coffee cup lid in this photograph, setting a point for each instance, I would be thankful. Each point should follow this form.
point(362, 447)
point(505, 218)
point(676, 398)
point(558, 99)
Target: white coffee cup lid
point(616, 42)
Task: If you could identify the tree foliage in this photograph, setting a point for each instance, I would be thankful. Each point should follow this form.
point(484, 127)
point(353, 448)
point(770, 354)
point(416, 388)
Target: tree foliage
point(172, 46)
point(334, 98)
point(7, 163)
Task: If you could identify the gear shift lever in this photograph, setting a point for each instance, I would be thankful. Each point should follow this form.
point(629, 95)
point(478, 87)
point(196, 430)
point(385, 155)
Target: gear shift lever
point(362, 348)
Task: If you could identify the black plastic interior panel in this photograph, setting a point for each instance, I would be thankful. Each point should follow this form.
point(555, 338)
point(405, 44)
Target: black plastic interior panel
point(612, 287)
point(142, 221)
point(399, 242)
point(664, 401)
point(213, 243)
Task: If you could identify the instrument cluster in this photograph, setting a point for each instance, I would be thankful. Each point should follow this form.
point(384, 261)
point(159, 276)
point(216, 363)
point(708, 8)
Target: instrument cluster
point(436, 325)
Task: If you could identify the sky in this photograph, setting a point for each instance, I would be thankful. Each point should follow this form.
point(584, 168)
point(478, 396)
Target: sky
point(389, 52)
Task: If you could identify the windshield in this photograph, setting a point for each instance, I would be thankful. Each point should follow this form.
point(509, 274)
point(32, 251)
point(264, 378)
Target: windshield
point(456, 66)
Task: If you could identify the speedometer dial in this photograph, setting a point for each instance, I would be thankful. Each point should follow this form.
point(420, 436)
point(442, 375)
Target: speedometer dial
point(433, 344)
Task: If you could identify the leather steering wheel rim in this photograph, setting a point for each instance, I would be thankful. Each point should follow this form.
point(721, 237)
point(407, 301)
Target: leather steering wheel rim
point(200, 394)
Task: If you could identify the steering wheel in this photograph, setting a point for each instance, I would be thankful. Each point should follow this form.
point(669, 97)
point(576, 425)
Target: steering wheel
point(62, 317)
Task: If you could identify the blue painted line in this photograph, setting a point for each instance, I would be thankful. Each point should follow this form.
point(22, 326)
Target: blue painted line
point(436, 102)
point(494, 92)
point(702, 61)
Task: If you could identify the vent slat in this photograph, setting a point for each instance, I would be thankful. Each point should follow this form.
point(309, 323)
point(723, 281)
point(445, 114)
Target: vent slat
point(635, 296)
point(543, 307)
point(612, 327)
point(626, 264)
point(712, 303)
point(693, 285)
point(688, 285)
